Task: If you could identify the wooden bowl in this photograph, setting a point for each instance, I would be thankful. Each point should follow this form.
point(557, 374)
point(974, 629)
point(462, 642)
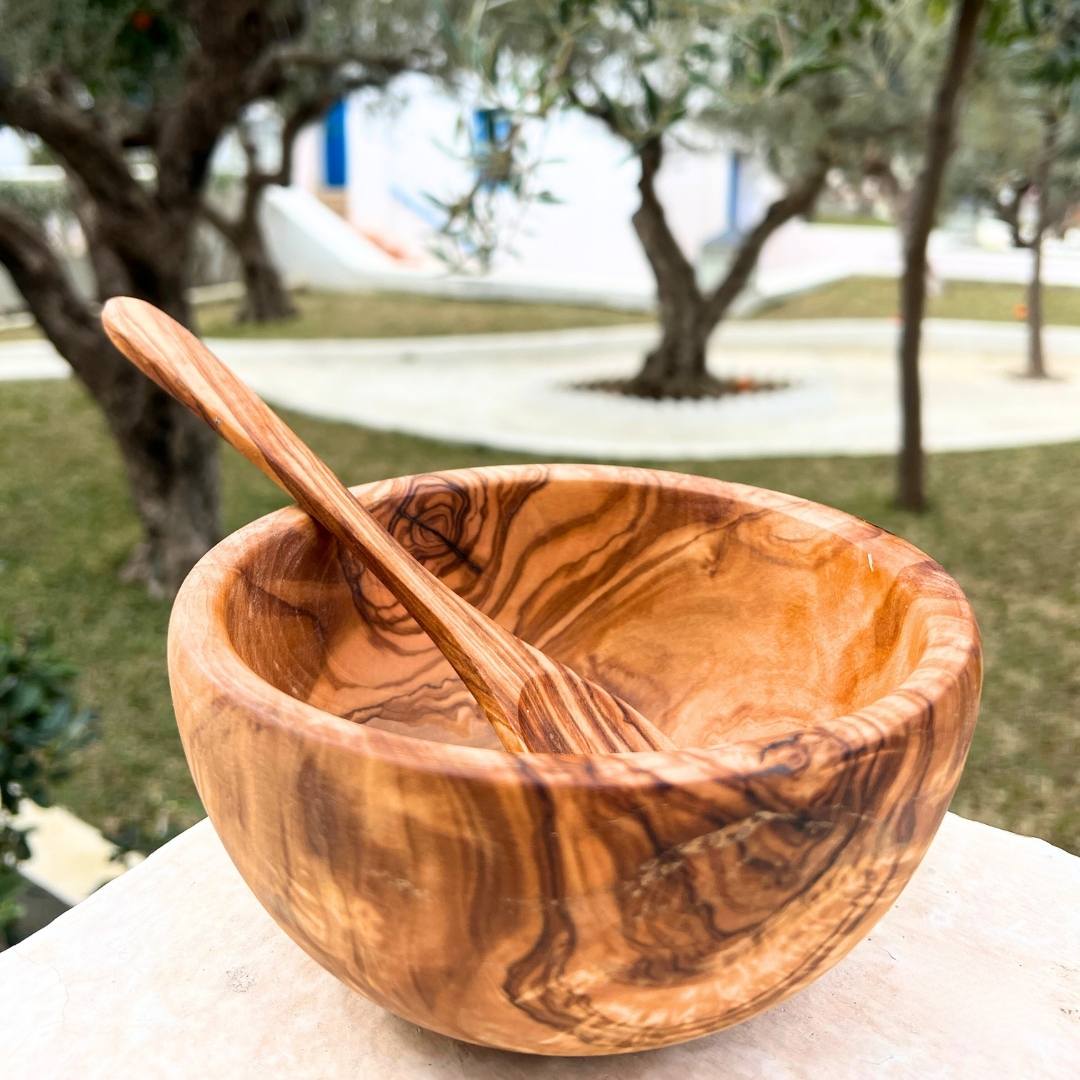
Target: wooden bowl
point(822, 676)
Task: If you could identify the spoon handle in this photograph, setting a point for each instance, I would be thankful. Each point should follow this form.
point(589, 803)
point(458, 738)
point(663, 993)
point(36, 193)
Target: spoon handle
point(185, 368)
point(532, 701)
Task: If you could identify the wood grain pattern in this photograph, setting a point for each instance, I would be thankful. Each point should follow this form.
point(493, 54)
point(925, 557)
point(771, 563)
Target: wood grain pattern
point(820, 678)
point(532, 701)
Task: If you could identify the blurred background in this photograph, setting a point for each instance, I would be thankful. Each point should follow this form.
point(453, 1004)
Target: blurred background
point(831, 248)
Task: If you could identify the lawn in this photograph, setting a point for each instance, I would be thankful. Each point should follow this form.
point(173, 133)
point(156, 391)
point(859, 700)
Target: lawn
point(1006, 523)
point(842, 218)
point(381, 315)
point(876, 298)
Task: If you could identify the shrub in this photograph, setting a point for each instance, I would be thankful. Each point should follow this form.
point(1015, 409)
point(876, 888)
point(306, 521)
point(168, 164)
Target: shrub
point(40, 729)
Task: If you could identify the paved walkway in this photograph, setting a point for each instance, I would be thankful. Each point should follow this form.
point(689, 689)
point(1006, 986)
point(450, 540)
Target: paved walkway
point(68, 857)
point(517, 392)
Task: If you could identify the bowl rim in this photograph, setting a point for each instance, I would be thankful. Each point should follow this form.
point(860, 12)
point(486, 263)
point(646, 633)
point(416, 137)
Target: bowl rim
point(951, 653)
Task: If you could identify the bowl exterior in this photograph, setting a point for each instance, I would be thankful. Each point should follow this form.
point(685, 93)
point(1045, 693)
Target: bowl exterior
point(569, 905)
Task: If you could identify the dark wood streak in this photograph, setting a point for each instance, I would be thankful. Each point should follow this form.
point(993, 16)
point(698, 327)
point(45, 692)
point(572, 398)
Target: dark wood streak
point(820, 676)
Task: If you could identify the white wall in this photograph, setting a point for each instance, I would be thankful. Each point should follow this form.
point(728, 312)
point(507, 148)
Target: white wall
point(397, 156)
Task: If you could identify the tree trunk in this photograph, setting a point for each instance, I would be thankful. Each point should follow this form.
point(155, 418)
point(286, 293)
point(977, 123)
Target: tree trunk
point(266, 299)
point(1036, 365)
point(171, 461)
point(911, 484)
point(170, 457)
point(677, 366)
point(141, 237)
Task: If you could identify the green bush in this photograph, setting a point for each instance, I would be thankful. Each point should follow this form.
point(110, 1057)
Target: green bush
point(40, 729)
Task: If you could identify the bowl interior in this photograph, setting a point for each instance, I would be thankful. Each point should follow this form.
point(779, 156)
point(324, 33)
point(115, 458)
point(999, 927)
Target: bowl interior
point(719, 611)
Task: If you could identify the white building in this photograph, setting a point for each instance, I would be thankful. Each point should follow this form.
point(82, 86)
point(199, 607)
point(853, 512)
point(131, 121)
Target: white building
point(377, 162)
point(359, 214)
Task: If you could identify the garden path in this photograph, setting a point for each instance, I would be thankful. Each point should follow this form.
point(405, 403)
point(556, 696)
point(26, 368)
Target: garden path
point(517, 391)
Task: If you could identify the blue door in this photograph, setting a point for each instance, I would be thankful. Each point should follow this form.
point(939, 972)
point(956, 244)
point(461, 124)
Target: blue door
point(335, 161)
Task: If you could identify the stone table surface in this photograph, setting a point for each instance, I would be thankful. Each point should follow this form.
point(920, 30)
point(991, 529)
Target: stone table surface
point(174, 970)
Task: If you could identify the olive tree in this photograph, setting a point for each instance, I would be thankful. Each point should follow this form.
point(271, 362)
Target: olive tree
point(349, 45)
point(785, 80)
point(911, 470)
point(132, 101)
point(1027, 171)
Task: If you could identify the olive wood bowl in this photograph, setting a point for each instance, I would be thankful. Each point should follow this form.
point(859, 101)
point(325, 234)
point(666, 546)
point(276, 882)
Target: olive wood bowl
point(820, 677)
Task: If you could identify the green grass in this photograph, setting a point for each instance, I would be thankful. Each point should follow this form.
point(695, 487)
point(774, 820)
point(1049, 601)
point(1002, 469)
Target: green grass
point(1006, 523)
point(840, 218)
point(20, 333)
point(382, 315)
point(385, 315)
point(876, 298)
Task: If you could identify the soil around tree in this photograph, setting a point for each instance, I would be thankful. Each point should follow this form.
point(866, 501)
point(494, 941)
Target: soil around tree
point(686, 388)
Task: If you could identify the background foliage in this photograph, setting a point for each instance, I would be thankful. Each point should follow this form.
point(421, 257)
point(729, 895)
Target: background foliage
point(40, 730)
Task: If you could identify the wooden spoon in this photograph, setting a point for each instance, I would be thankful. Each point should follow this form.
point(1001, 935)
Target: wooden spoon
point(532, 701)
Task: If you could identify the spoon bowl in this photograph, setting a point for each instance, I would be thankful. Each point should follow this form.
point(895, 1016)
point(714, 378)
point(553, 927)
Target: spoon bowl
point(818, 678)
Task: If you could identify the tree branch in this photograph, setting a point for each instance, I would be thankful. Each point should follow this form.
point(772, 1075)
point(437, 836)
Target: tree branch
point(218, 220)
point(72, 134)
point(62, 313)
point(244, 57)
point(601, 110)
point(216, 88)
point(878, 168)
point(674, 272)
point(798, 199)
point(110, 275)
point(385, 64)
point(1043, 169)
point(1009, 212)
point(305, 110)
